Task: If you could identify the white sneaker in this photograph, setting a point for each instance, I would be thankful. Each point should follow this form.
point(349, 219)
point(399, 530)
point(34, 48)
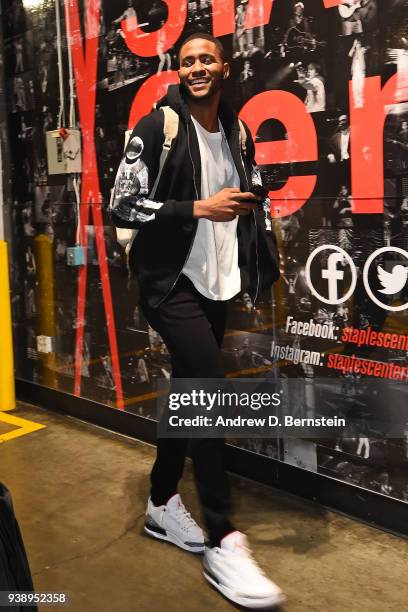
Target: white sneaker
point(174, 524)
point(231, 569)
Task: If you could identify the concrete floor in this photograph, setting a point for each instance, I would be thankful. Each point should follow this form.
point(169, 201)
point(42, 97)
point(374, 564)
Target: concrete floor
point(80, 494)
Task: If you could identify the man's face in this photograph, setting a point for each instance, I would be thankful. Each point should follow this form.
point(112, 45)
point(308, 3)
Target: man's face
point(311, 71)
point(202, 68)
point(343, 123)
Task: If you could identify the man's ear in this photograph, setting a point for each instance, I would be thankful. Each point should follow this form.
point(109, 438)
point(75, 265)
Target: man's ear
point(226, 72)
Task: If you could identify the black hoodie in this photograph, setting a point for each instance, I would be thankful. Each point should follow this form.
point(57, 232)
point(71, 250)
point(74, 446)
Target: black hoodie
point(166, 224)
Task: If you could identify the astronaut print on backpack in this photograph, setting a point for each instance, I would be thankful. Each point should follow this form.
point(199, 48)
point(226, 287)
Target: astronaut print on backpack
point(130, 201)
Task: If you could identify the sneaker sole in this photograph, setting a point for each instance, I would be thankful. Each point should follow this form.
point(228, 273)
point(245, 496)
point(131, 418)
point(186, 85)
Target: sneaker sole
point(262, 603)
point(161, 534)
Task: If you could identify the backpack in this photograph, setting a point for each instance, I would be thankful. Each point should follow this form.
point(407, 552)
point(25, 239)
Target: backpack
point(124, 236)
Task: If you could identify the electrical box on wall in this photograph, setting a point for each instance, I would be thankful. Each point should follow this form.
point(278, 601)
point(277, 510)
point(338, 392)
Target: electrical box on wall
point(64, 151)
point(45, 344)
point(75, 256)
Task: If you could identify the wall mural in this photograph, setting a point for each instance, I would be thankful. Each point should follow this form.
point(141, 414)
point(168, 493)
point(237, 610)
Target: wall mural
point(323, 86)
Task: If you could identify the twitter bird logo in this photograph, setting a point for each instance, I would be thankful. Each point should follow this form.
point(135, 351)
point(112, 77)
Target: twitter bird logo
point(393, 281)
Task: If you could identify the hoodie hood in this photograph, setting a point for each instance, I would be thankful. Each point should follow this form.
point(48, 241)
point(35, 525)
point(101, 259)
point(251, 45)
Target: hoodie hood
point(175, 99)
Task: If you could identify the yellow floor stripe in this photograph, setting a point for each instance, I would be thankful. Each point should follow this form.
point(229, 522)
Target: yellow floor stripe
point(23, 427)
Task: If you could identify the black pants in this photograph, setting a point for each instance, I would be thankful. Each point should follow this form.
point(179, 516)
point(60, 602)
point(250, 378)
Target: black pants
point(192, 328)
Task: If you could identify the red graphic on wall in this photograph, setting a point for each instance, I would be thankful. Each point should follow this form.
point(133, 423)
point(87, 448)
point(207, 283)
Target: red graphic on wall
point(153, 43)
point(84, 57)
point(299, 146)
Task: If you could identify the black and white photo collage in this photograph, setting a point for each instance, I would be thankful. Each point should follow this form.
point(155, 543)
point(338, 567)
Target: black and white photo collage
point(322, 57)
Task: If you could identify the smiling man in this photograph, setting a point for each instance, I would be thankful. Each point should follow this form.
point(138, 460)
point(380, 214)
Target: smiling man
point(202, 238)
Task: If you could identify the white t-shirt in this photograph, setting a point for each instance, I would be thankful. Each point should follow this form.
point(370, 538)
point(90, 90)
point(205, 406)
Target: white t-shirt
point(212, 265)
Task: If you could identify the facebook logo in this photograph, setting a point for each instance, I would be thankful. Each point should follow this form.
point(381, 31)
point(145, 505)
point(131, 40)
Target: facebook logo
point(333, 273)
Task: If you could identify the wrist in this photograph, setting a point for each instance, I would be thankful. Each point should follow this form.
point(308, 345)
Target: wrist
point(198, 209)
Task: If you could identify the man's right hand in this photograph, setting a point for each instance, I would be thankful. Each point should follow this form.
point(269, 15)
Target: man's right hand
point(226, 205)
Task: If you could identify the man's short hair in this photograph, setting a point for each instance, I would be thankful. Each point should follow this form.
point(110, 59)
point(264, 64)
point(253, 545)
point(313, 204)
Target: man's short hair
point(316, 66)
point(206, 36)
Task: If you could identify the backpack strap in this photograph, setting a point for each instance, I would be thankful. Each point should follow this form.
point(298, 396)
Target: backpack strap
point(170, 130)
point(243, 136)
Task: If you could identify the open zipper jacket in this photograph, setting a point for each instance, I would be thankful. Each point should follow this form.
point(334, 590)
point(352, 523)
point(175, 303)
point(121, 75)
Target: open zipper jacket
point(166, 225)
